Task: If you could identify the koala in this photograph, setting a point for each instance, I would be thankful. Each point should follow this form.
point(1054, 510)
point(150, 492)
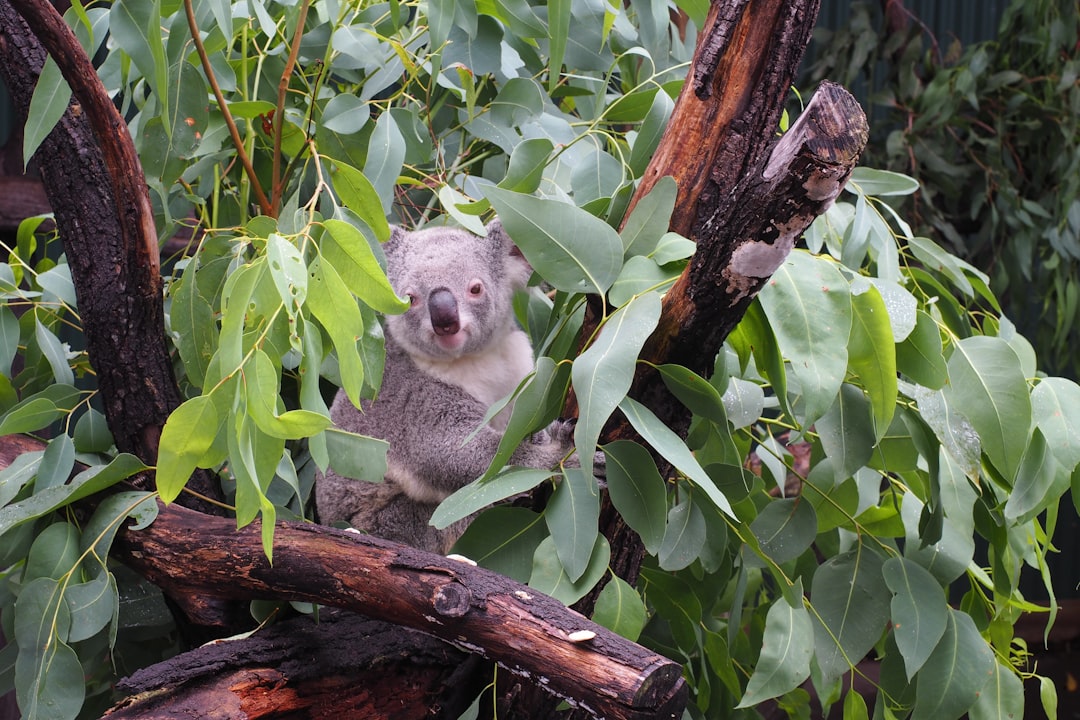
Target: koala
point(449, 357)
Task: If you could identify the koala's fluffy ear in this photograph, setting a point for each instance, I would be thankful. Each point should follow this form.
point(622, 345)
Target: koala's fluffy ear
point(518, 269)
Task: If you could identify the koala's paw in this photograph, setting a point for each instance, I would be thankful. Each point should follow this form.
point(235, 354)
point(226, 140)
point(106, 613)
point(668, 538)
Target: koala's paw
point(559, 433)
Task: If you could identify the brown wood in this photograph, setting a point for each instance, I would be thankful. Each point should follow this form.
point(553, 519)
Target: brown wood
point(20, 198)
point(338, 665)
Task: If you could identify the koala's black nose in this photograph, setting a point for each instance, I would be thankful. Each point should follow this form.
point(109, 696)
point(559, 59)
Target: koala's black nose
point(443, 310)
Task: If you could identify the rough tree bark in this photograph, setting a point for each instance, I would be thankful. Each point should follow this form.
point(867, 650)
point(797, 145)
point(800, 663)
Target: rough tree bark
point(744, 201)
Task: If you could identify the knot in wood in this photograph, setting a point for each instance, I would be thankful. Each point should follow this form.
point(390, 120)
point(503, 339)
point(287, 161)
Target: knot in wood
point(452, 600)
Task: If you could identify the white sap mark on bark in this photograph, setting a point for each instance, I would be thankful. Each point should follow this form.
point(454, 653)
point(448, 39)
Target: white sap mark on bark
point(757, 259)
point(822, 186)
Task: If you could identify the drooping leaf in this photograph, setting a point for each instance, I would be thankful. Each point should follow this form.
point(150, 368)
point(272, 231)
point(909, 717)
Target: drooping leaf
point(47, 106)
point(49, 678)
point(54, 351)
point(847, 431)
point(619, 608)
point(786, 649)
point(335, 308)
point(188, 434)
point(1055, 405)
point(673, 449)
point(956, 672)
point(92, 605)
point(920, 356)
point(919, 611)
point(1040, 481)
point(882, 183)
point(527, 162)
point(785, 528)
point(852, 604)
point(1002, 698)
point(572, 515)
point(637, 491)
point(261, 383)
point(345, 248)
point(988, 387)
point(872, 355)
point(548, 575)
point(603, 373)
point(386, 153)
point(684, 536)
point(572, 249)
point(481, 493)
point(504, 539)
point(650, 219)
point(808, 304)
point(288, 270)
point(359, 195)
point(694, 392)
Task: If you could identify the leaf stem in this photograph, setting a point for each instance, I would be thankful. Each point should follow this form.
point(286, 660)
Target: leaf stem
point(279, 113)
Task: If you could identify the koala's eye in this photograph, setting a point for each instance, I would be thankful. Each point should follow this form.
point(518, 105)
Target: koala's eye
point(412, 299)
point(476, 289)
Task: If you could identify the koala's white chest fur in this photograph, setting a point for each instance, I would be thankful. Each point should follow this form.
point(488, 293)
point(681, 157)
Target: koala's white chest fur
point(488, 376)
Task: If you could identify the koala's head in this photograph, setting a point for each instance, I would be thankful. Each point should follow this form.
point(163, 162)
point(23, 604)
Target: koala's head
point(460, 287)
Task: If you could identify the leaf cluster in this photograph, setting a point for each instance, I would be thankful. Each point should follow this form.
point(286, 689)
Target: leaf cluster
point(870, 417)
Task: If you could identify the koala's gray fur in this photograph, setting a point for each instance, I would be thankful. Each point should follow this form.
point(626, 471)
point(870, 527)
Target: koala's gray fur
point(456, 351)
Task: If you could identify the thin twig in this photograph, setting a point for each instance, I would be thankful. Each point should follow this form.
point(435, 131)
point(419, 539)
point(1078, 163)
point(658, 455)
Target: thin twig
point(279, 112)
point(238, 142)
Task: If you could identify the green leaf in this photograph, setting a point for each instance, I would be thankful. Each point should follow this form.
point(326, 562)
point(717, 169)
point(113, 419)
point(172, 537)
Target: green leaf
point(570, 248)
point(359, 195)
point(744, 402)
point(572, 515)
point(109, 515)
point(847, 431)
point(1002, 698)
point(882, 183)
point(22, 470)
point(950, 555)
point(537, 404)
point(649, 133)
point(49, 678)
point(548, 575)
point(262, 401)
point(956, 672)
point(933, 257)
point(808, 304)
point(650, 219)
point(619, 608)
point(47, 106)
point(673, 449)
point(637, 491)
point(55, 353)
point(356, 456)
point(9, 338)
point(86, 483)
point(187, 436)
point(481, 493)
point(345, 248)
point(135, 25)
point(872, 355)
point(785, 528)
point(527, 162)
point(693, 391)
point(345, 114)
point(639, 275)
point(684, 536)
point(54, 554)
point(920, 355)
point(192, 322)
point(386, 153)
point(855, 706)
point(919, 611)
point(334, 307)
point(504, 539)
point(92, 605)
point(1040, 482)
point(852, 604)
point(603, 373)
point(988, 387)
point(1055, 405)
point(40, 409)
point(558, 30)
point(288, 271)
point(786, 648)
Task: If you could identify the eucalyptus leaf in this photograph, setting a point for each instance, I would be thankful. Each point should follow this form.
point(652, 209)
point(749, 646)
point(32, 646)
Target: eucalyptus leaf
point(956, 672)
point(572, 515)
point(637, 491)
point(571, 249)
point(786, 649)
point(919, 611)
point(549, 576)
